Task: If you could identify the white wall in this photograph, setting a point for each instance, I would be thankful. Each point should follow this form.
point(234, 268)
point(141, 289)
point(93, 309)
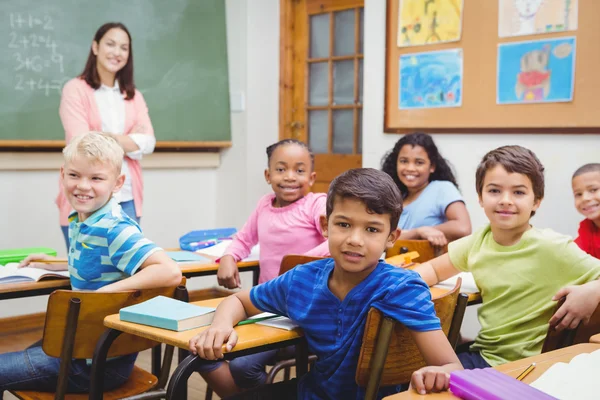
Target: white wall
point(176, 200)
point(560, 154)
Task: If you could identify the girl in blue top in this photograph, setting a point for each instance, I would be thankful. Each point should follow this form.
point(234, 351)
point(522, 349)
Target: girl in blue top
point(433, 207)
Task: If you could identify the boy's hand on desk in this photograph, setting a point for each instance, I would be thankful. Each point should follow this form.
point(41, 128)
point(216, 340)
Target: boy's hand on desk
point(228, 274)
point(208, 344)
point(434, 236)
point(430, 379)
point(580, 303)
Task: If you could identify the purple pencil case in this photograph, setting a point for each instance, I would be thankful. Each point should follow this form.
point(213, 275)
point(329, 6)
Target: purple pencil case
point(489, 384)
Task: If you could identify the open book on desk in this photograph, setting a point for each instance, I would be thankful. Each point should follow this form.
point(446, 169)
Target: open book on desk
point(218, 250)
point(11, 274)
point(576, 380)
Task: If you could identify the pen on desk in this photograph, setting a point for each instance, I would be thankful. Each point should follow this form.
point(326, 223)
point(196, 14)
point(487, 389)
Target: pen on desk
point(523, 374)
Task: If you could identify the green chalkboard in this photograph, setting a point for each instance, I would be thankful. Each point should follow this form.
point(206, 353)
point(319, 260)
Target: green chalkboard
point(180, 60)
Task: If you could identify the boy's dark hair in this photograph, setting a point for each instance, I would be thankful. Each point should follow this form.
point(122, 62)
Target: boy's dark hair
point(271, 149)
point(443, 171)
point(124, 76)
point(372, 187)
point(513, 159)
point(584, 169)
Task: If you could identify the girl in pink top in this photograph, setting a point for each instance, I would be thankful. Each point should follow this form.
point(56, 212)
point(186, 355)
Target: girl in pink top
point(285, 221)
point(104, 99)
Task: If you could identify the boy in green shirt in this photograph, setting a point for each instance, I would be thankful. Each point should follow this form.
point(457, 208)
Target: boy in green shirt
point(521, 271)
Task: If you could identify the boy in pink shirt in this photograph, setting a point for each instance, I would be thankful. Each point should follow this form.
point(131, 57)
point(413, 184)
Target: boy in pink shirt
point(286, 221)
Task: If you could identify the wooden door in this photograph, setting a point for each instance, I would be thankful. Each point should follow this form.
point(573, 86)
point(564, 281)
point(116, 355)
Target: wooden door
point(321, 88)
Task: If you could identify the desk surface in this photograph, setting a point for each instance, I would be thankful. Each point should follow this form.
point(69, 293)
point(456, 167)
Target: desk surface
point(543, 362)
point(595, 339)
point(249, 336)
point(47, 286)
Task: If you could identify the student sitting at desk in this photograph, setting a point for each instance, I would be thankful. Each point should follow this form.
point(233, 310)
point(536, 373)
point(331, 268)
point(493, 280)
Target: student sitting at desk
point(433, 208)
point(330, 299)
point(107, 252)
point(586, 190)
point(284, 222)
point(521, 271)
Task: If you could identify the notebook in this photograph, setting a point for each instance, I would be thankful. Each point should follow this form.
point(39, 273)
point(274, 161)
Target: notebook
point(576, 380)
point(218, 250)
point(167, 313)
point(11, 274)
point(188, 256)
point(468, 283)
point(280, 323)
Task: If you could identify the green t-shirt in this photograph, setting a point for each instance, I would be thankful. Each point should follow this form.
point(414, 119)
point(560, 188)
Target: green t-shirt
point(517, 284)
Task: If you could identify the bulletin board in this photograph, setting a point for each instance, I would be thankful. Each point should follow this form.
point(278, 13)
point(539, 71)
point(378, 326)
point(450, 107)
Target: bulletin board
point(479, 111)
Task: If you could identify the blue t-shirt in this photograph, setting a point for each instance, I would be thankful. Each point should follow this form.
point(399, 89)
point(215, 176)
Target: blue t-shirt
point(333, 328)
point(105, 248)
point(429, 209)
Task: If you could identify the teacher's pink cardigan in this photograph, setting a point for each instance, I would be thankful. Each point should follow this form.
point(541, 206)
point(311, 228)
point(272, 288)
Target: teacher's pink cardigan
point(79, 114)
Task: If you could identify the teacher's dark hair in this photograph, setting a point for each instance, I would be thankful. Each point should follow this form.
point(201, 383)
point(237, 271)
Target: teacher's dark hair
point(124, 76)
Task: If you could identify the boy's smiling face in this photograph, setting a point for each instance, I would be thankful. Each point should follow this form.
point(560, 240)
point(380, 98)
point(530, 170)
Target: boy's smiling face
point(357, 237)
point(508, 199)
point(89, 184)
point(586, 190)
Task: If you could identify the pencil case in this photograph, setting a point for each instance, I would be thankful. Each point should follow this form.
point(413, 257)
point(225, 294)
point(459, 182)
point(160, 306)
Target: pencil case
point(196, 240)
point(18, 255)
point(489, 384)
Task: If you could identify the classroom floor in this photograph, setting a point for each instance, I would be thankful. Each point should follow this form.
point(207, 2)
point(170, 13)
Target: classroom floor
point(8, 343)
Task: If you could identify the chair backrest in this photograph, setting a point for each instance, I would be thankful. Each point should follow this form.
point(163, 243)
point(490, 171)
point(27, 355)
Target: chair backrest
point(93, 308)
point(396, 356)
point(291, 260)
point(568, 337)
point(423, 247)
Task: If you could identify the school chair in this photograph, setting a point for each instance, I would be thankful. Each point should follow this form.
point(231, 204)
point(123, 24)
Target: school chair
point(285, 360)
point(567, 337)
point(389, 356)
point(423, 247)
point(74, 328)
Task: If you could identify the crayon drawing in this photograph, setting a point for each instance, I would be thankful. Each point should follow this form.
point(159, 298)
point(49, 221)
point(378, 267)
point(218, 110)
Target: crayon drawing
point(431, 80)
point(429, 21)
point(538, 71)
point(528, 17)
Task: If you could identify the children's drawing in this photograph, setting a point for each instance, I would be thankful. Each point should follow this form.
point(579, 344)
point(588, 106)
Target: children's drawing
point(430, 80)
point(528, 17)
point(429, 21)
point(539, 71)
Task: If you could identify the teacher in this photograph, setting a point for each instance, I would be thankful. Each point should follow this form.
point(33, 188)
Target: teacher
point(104, 99)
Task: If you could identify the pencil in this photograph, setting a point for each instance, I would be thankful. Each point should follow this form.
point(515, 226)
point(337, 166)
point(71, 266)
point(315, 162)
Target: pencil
point(523, 374)
point(57, 261)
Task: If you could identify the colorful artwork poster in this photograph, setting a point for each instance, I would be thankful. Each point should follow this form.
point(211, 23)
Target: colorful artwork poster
point(429, 21)
point(529, 17)
point(431, 80)
point(538, 71)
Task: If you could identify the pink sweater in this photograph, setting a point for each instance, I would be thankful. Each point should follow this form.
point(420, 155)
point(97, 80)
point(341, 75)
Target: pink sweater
point(79, 114)
point(294, 229)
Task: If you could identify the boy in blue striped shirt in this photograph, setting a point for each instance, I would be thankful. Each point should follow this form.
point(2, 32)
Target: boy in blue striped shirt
point(107, 252)
point(330, 298)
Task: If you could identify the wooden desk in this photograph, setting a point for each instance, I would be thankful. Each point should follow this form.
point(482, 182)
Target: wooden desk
point(595, 339)
point(47, 286)
point(543, 362)
point(253, 338)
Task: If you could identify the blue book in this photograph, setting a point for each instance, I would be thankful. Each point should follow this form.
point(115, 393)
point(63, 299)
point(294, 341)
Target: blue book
point(187, 256)
point(167, 313)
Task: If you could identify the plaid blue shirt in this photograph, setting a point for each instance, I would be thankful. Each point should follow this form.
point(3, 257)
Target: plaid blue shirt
point(105, 248)
point(334, 328)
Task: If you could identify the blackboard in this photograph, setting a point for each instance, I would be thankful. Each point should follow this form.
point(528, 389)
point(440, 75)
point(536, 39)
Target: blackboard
point(180, 60)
